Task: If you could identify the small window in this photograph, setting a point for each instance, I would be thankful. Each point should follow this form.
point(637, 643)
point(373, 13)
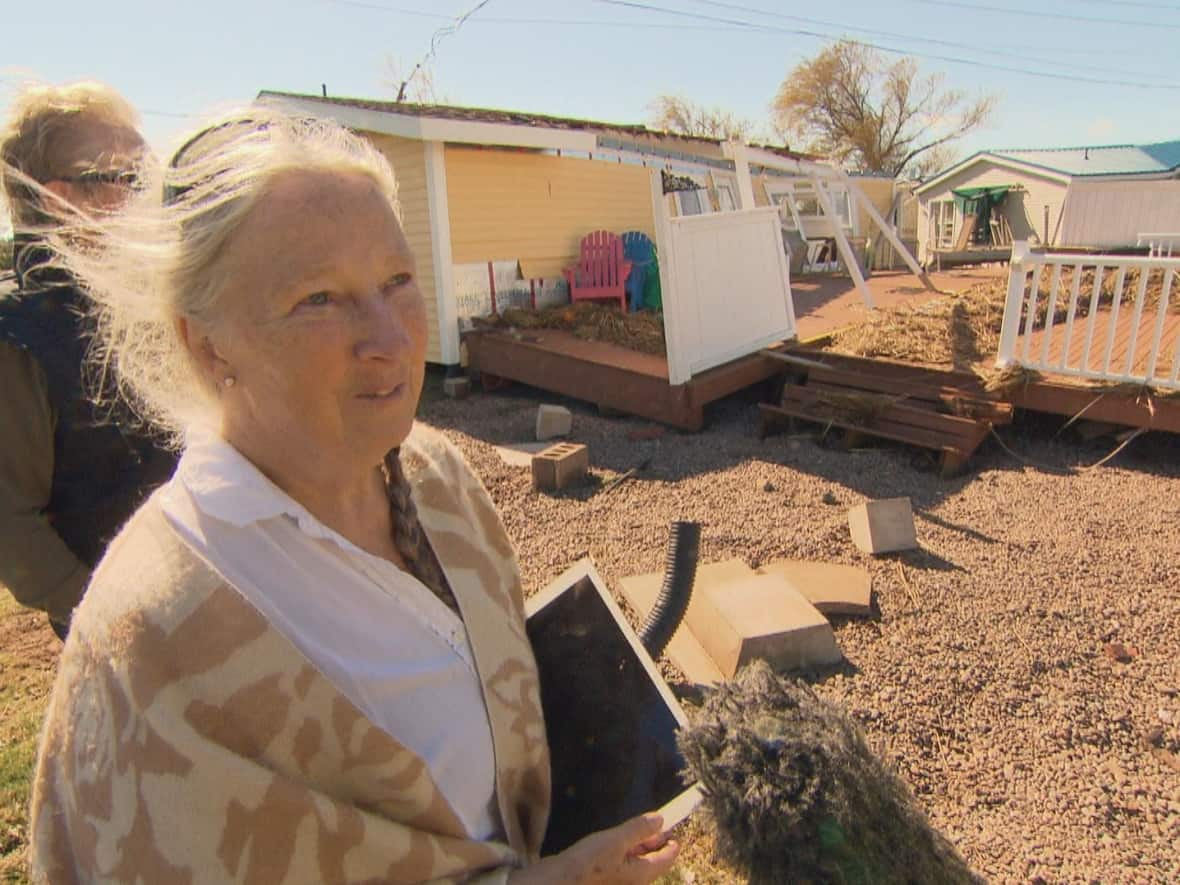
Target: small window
point(942, 223)
point(693, 202)
point(725, 198)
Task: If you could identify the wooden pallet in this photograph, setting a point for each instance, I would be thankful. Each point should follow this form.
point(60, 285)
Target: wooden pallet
point(922, 391)
point(946, 412)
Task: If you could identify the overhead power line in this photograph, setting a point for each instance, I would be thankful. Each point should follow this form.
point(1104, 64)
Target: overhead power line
point(1056, 16)
point(1020, 53)
point(437, 38)
point(893, 50)
point(562, 22)
point(1169, 6)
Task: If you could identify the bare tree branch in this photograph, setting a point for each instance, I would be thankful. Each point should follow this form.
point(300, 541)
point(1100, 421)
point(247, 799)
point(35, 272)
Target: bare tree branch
point(674, 113)
point(848, 104)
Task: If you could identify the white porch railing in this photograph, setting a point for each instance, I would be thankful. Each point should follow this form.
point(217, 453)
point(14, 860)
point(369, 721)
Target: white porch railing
point(1103, 317)
point(725, 287)
point(1160, 245)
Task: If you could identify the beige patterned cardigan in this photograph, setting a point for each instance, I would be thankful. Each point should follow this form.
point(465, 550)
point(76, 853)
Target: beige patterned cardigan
point(188, 741)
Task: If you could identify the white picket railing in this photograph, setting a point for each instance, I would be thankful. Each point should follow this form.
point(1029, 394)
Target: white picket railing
point(1074, 324)
point(1160, 245)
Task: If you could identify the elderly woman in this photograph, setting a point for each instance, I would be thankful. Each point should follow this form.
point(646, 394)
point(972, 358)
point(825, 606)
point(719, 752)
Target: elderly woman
point(304, 658)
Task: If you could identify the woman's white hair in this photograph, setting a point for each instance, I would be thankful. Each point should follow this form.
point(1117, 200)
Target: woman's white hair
point(162, 257)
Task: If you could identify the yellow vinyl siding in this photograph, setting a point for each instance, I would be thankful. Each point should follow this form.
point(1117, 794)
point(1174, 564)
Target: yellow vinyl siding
point(408, 158)
point(535, 208)
point(879, 192)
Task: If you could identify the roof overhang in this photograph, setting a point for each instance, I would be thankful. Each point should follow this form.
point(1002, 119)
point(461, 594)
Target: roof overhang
point(1162, 175)
point(434, 128)
point(996, 160)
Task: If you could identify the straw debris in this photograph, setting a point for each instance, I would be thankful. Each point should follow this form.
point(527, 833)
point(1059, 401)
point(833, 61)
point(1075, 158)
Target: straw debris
point(641, 330)
point(961, 330)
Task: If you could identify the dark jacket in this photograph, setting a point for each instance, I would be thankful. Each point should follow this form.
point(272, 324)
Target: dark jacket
point(103, 467)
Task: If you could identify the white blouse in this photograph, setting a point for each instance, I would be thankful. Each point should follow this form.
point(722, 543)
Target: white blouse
point(381, 636)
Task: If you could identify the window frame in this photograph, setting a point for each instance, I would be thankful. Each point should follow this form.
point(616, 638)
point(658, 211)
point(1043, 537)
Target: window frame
point(937, 211)
point(726, 184)
point(797, 189)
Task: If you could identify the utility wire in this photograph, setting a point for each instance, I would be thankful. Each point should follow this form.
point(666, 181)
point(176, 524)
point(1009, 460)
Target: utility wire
point(1020, 53)
point(435, 39)
point(1056, 16)
point(1168, 6)
point(1048, 75)
point(512, 20)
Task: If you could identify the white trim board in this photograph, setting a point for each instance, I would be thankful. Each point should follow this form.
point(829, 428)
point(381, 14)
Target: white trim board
point(441, 253)
point(997, 159)
point(434, 128)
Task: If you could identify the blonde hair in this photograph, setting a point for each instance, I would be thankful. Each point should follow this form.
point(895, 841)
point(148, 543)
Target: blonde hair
point(161, 258)
point(43, 121)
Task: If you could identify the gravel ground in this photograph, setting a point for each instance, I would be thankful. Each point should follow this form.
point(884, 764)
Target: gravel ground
point(1022, 674)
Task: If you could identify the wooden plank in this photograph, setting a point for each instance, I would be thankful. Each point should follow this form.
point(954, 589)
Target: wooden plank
point(895, 417)
point(952, 400)
point(904, 433)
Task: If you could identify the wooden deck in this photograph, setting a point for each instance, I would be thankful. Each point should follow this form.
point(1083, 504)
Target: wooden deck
point(825, 303)
point(1120, 338)
point(1128, 345)
point(624, 380)
point(610, 376)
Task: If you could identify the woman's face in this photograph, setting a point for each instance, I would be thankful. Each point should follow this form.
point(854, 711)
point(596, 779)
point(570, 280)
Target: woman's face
point(321, 326)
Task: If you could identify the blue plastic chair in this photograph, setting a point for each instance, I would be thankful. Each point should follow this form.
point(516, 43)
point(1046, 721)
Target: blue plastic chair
point(641, 252)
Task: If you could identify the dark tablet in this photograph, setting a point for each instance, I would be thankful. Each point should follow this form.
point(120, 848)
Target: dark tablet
point(610, 717)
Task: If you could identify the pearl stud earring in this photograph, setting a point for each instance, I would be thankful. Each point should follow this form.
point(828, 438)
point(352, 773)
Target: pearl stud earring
point(230, 381)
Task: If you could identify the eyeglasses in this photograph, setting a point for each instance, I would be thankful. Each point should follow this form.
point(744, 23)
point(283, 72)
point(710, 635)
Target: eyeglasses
point(120, 177)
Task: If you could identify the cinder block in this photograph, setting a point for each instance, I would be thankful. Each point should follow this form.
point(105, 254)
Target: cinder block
point(553, 421)
point(763, 617)
point(457, 387)
point(883, 526)
point(559, 466)
point(833, 589)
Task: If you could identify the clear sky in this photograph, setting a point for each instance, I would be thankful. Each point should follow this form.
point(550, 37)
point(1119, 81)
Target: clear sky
point(607, 60)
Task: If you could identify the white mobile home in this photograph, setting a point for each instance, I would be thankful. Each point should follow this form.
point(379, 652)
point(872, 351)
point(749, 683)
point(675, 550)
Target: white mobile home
point(1103, 196)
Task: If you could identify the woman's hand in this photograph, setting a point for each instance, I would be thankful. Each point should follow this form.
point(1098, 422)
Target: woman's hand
point(633, 853)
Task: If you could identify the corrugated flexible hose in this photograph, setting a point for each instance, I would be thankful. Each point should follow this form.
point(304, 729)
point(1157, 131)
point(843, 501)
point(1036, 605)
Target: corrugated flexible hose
point(680, 571)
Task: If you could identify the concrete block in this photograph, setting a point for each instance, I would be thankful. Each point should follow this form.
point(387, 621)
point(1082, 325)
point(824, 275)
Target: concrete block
point(735, 616)
point(704, 617)
point(883, 526)
point(763, 617)
point(833, 589)
point(684, 650)
point(641, 592)
point(458, 387)
point(553, 421)
point(559, 466)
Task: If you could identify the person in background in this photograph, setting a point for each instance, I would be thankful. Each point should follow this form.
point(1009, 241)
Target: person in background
point(72, 470)
point(304, 658)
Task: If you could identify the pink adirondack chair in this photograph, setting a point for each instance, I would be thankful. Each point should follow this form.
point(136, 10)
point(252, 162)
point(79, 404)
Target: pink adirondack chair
point(601, 270)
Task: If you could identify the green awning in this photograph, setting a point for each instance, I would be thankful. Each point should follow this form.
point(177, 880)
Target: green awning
point(983, 197)
point(977, 203)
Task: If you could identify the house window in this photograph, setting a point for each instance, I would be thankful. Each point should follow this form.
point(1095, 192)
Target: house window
point(807, 205)
point(942, 223)
point(692, 202)
point(725, 198)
